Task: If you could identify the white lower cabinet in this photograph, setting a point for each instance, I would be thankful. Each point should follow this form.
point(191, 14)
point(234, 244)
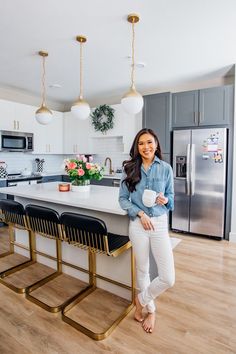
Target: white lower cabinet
point(48, 138)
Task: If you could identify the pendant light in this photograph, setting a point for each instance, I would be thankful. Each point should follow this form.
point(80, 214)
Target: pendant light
point(80, 108)
point(132, 101)
point(43, 115)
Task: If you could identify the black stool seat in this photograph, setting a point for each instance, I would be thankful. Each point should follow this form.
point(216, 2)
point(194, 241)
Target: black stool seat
point(43, 220)
point(89, 232)
point(13, 212)
point(116, 241)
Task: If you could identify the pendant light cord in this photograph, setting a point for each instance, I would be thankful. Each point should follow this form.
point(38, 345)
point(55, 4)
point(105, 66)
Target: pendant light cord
point(81, 71)
point(43, 83)
point(132, 65)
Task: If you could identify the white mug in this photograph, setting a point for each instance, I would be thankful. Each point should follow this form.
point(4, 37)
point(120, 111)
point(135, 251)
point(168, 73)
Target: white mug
point(149, 198)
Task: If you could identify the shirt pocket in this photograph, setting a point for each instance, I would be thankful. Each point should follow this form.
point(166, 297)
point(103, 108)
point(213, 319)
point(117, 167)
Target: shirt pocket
point(158, 185)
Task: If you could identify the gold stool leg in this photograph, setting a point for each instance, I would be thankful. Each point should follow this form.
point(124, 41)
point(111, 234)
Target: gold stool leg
point(45, 280)
point(85, 330)
point(83, 293)
point(18, 267)
point(11, 237)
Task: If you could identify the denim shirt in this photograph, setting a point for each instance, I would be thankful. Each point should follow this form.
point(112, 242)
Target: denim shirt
point(158, 177)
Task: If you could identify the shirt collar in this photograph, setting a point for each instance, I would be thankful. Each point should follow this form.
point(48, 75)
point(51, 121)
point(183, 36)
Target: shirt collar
point(156, 160)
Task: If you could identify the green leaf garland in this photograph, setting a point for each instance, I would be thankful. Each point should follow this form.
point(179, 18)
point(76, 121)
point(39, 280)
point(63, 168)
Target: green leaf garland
point(98, 121)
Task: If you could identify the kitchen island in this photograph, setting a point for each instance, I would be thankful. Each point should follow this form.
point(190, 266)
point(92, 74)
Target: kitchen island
point(101, 202)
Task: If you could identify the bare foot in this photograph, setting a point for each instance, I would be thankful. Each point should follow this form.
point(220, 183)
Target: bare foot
point(149, 322)
point(138, 312)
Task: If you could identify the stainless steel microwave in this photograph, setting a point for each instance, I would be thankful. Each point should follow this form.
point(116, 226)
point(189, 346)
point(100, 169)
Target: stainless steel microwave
point(16, 141)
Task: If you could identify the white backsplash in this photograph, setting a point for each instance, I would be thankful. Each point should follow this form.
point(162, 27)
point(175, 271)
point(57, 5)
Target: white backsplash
point(110, 147)
point(18, 161)
point(106, 147)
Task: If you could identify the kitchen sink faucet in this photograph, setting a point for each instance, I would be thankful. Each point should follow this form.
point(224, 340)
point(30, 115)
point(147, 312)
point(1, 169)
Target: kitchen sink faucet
point(110, 167)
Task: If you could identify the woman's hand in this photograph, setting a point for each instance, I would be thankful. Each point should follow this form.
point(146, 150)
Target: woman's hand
point(146, 222)
point(161, 199)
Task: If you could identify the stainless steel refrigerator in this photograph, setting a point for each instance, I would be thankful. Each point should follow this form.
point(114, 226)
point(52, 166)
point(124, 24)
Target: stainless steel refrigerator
point(199, 166)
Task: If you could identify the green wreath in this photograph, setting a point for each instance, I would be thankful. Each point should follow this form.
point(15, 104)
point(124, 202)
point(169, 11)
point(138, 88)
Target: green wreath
point(102, 118)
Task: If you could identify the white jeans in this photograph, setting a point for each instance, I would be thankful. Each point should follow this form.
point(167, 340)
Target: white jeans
point(160, 244)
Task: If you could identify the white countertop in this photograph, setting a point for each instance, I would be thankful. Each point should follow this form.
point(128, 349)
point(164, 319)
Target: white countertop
point(100, 198)
point(62, 173)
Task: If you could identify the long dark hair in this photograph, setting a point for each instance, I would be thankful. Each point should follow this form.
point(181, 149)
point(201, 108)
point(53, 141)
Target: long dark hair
point(132, 167)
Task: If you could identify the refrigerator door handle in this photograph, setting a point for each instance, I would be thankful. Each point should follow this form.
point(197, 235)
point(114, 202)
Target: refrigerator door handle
point(192, 170)
point(187, 185)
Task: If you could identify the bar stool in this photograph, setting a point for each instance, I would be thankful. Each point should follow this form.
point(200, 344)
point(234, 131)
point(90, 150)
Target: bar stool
point(45, 222)
point(13, 214)
point(11, 246)
point(90, 233)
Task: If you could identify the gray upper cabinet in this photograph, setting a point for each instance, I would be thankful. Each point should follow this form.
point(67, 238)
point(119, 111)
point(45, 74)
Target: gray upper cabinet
point(184, 109)
point(212, 106)
point(157, 116)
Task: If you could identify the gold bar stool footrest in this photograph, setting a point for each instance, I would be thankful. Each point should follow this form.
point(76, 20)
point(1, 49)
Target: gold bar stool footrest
point(39, 284)
point(13, 270)
point(6, 254)
point(85, 330)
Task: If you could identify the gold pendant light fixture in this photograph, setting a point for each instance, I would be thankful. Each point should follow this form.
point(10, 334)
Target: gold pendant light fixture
point(132, 101)
point(80, 108)
point(43, 115)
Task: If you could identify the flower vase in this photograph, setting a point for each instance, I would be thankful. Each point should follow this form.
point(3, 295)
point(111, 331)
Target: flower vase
point(80, 186)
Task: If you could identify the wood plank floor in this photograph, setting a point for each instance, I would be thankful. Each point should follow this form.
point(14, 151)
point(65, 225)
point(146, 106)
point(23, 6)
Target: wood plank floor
point(198, 315)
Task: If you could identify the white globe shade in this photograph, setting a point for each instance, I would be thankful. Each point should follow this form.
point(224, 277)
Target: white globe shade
point(132, 102)
point(81, 109)
point(43, 115)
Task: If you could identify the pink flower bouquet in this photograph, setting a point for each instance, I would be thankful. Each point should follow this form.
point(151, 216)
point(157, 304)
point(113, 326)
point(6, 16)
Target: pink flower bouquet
point(81, 170)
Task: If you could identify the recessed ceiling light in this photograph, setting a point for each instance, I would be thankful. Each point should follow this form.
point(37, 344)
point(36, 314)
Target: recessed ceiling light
point(138, 64)
point(56, 86)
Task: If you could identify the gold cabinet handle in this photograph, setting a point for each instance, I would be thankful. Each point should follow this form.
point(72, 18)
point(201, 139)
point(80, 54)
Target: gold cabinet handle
point(14, 124)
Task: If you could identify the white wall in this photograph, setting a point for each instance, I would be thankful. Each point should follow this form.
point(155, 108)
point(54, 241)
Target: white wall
point(22, 96)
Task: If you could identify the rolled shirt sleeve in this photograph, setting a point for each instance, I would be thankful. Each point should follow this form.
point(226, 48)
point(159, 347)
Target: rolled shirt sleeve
point(125, 201)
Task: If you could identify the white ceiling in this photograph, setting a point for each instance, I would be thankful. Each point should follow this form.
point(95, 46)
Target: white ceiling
point(179, 40)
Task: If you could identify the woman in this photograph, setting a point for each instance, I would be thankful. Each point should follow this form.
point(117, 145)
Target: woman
point(148, 225)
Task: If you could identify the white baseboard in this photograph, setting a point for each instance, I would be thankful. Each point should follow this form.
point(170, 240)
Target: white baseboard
point(232, 237)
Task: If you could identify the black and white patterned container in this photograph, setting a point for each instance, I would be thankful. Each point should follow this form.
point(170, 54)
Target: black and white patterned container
point(39, 166)
point(3, 172)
